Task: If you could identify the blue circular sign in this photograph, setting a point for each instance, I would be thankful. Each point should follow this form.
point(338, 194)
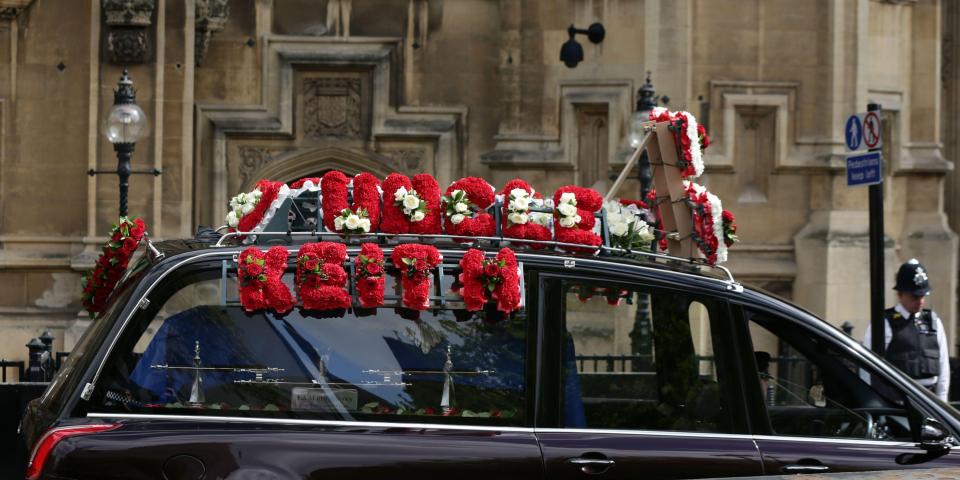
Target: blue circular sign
point(853, 132)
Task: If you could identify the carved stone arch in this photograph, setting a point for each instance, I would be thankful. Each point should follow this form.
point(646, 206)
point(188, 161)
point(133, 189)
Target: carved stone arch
point(302, 163)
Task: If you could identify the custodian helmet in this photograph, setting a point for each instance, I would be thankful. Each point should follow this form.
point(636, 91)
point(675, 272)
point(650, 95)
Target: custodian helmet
point(912, 278)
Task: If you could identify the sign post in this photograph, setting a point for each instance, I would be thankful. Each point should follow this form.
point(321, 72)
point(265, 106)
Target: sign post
point(864, 131)
point(871, 138)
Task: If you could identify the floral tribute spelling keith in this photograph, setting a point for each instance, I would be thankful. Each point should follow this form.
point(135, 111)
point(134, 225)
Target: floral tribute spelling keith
point(338, 215)
point(415, 205)
point(320, 276)
point(370, 271)
point(415, 262)
point(259, 279)
point(574, 217)
point(114, 258)
point(518, 220)
point(485, 279)
point(466, 202)
point(691, 138)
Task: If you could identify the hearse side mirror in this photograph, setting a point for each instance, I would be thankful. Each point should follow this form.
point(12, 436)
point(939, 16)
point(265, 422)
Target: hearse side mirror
point(934, 437)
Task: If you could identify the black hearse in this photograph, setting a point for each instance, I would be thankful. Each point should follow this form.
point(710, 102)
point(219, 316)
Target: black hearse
point(619, 364)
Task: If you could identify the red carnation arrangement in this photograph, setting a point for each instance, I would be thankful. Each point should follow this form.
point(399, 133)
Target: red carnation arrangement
point(366, 198)
point(518, 222)
point(370, 275)
point(424, 218)
point(574, 209)
point(471, 220)
point(259, 279)
point(690, 137)
point(485, 279)
point(114, 258)
point(269, 190)
point(320, 276)
point(415, 261)
point(708, 223)
point(297, 185)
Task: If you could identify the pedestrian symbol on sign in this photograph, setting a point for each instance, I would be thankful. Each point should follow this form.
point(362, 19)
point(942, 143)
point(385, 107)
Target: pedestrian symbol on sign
point(853, 132)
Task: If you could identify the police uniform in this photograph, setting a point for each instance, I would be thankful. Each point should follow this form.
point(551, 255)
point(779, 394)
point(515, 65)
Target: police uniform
point(916, 343)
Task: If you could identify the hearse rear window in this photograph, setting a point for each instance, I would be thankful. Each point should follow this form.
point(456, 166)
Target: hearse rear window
point(200, 353)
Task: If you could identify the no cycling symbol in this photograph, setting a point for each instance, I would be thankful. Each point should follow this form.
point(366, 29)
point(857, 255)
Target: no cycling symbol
point(871, 130)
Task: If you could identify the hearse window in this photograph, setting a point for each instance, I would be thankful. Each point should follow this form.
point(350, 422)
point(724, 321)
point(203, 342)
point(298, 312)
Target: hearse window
point(813, 389)
point(641, 360)
point(194, 354)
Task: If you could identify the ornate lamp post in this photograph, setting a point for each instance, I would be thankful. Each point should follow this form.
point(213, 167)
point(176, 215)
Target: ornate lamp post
point(646, 100)
point(125, 124)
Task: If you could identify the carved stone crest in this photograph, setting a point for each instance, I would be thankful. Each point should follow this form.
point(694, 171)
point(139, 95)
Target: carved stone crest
point(253, 158)
point(332, 107)
point(406, 159)
point(127, 31)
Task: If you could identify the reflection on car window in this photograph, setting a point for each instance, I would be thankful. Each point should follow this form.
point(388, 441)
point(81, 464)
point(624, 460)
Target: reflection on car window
point(813, 389)
point(636, 359)
point(197, 356)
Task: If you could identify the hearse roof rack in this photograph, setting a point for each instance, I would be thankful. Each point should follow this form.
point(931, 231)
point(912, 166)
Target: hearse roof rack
point(288, 237)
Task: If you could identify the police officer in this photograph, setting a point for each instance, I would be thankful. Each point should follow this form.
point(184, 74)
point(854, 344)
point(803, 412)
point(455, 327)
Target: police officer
point(914, 336)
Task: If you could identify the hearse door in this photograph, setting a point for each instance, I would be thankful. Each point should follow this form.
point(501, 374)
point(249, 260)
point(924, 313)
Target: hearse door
point(637, 383)
point(817, 409)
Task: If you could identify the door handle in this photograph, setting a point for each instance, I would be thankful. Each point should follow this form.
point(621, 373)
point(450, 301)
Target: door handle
point(800, 468)
point(592, 463)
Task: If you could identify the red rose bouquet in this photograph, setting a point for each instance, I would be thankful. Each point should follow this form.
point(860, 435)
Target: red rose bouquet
point(112, 262)
point(484, 279)
point(415, 262)
point(370, 275)
point(320, 276)
point(411, 206)
point(574, 209)
point(465, 205)
point(518, 221)
point(259, 275)
point(363, 215)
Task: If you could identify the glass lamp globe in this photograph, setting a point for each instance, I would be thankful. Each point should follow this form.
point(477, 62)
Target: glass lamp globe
point(636, 127)
point(126, 123)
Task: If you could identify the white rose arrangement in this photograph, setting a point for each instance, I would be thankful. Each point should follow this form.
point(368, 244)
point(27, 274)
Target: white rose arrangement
point(518, 206)
point(627, 229)
point(567, 209)
point(241, 205)
point(414, 207)
point(351, 222)
point(459, 207)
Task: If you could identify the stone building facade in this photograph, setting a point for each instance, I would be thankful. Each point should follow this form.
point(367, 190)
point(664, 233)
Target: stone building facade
point(238, 90)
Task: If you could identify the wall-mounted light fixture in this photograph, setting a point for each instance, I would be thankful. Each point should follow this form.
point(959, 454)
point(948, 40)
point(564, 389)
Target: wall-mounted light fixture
point(571, 53)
